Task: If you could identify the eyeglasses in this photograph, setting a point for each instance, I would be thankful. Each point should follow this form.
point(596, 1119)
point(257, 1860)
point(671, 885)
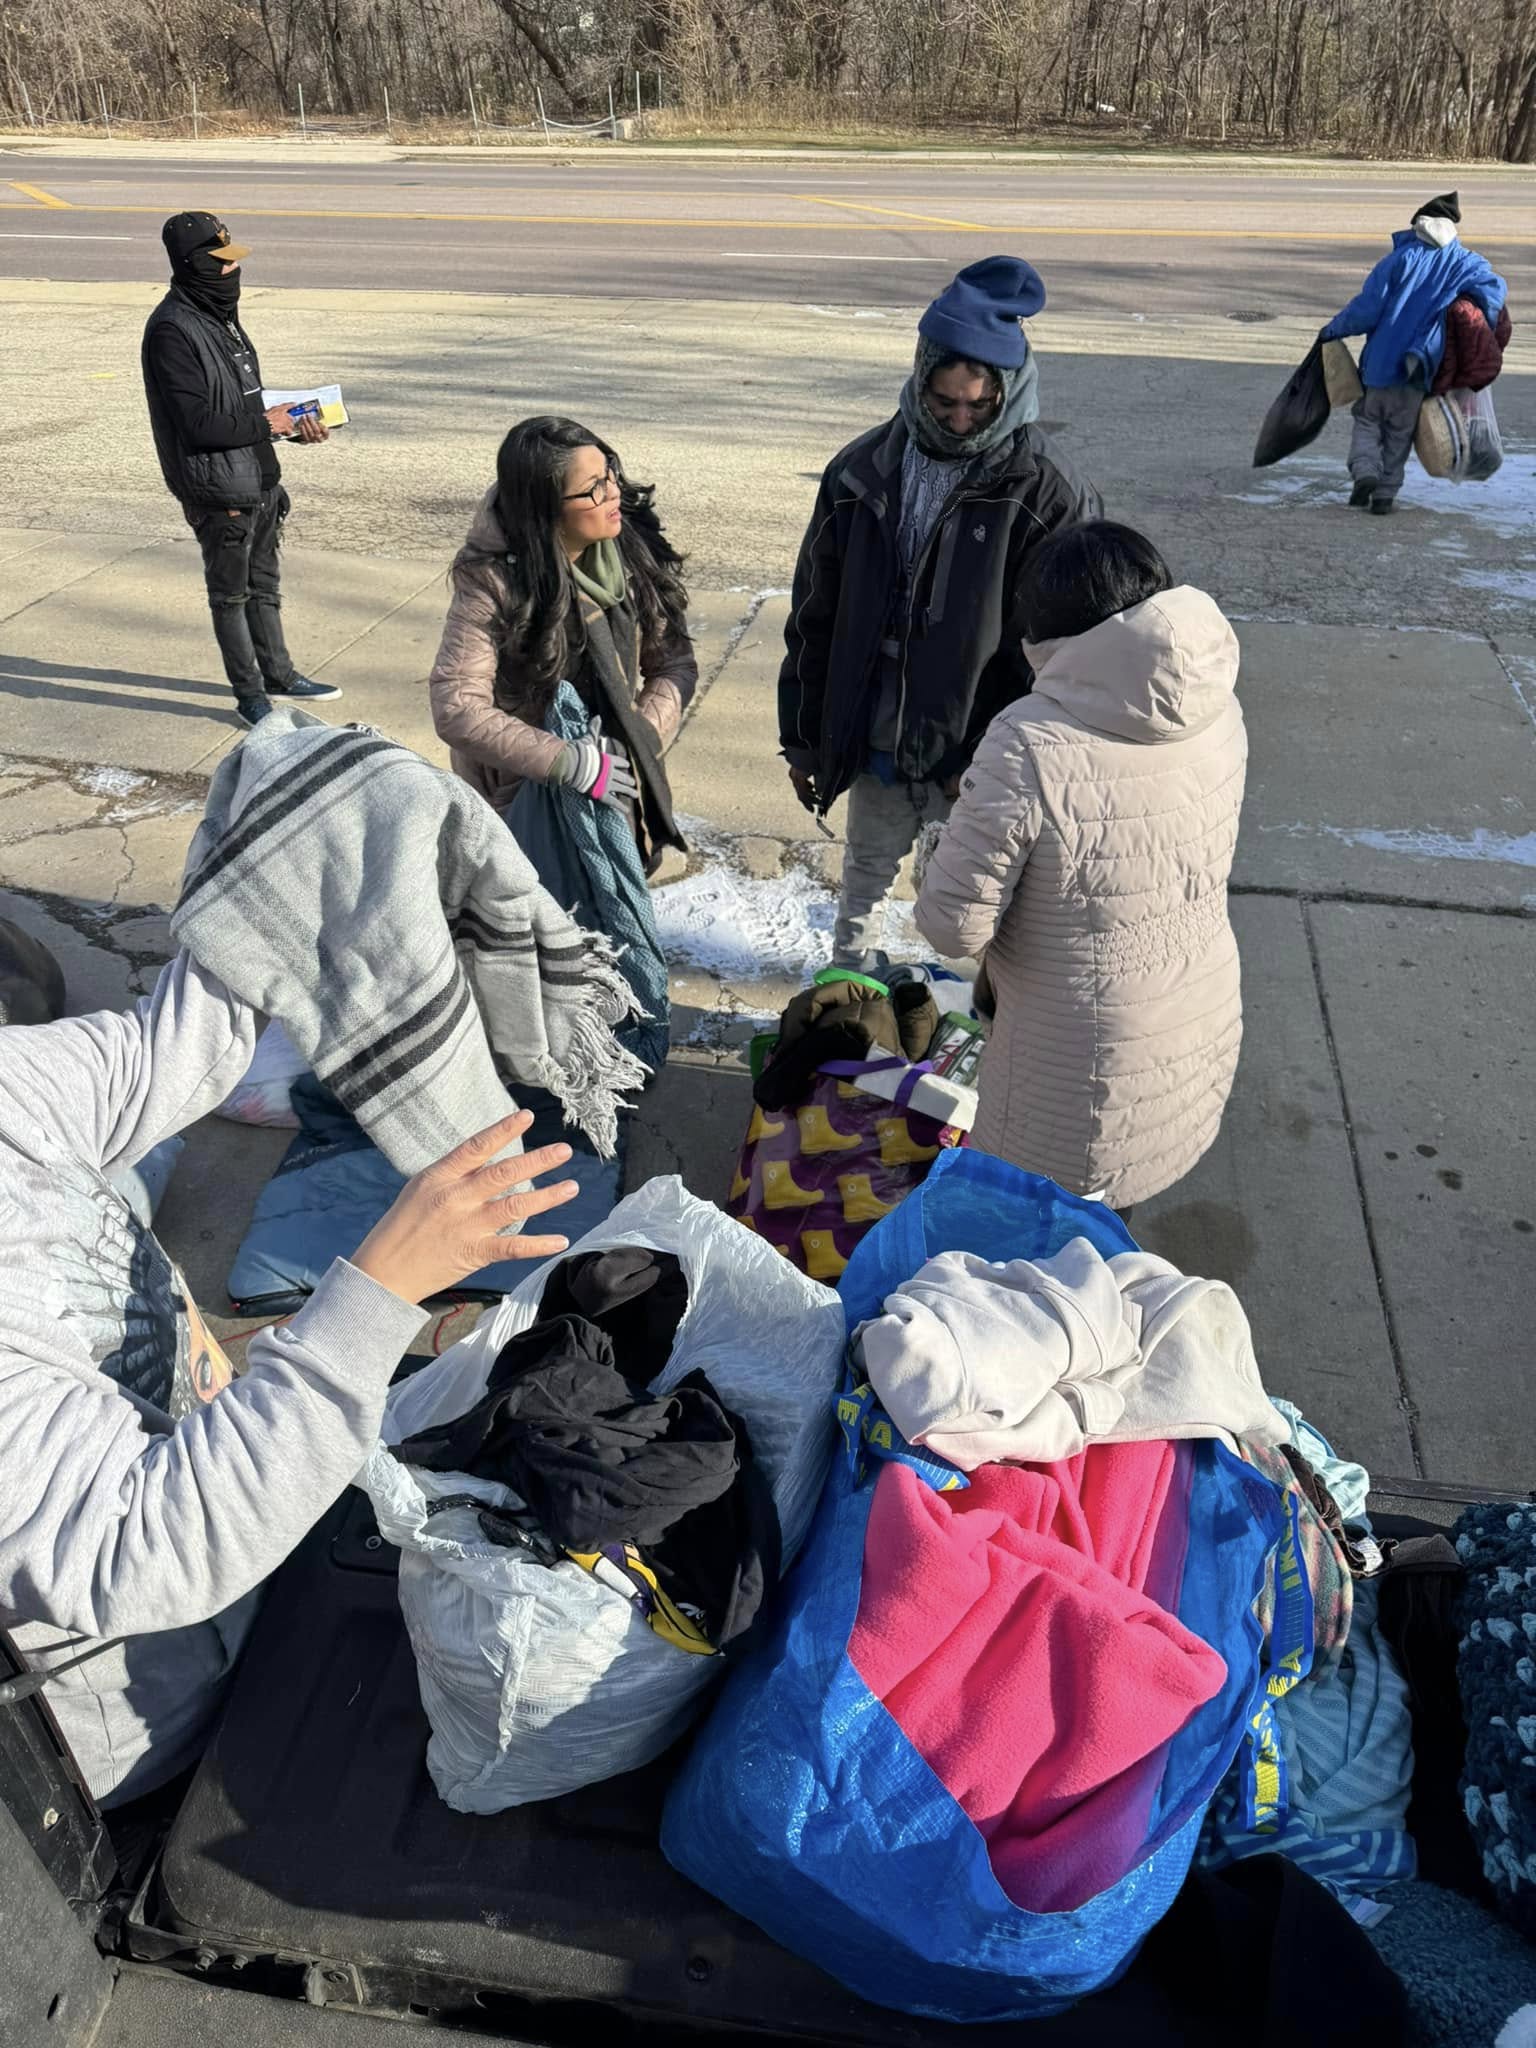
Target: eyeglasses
point(599, 492)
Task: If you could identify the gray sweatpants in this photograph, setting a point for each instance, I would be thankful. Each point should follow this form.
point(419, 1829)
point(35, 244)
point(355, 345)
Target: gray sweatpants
point(884, 820)
point(1382, 441)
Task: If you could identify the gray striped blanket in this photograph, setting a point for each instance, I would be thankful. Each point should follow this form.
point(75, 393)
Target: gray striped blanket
point(380, 909)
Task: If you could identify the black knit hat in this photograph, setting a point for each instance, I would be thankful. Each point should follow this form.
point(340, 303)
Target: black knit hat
point(1446, 207)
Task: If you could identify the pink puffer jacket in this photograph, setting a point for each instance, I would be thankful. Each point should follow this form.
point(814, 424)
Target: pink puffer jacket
point(1087, 860)
point(482, 703)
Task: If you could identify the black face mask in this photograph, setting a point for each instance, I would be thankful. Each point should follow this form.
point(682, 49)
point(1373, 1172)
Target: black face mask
point(201, 280)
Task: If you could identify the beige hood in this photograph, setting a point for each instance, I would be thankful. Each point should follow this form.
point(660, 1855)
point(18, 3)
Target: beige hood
point(1159, 671)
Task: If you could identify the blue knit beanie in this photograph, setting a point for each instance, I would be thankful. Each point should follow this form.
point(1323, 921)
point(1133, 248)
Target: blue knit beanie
point(978, 314)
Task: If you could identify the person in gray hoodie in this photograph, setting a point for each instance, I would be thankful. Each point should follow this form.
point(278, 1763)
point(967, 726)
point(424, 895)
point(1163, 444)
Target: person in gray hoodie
point(145, 1492)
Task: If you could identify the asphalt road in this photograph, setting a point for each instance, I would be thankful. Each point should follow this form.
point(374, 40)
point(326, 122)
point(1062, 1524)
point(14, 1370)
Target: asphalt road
point(730, 325)
point(1107, 239)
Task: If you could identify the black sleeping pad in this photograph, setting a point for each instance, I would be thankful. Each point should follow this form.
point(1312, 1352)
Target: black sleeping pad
point(312, 1832)
point(312, 1829)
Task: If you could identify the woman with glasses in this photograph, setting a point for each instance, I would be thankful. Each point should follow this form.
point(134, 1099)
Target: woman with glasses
point(567, 578)
point(563, 675)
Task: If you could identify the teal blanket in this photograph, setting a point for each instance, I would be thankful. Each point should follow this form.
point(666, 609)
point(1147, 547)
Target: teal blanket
point(586, 856)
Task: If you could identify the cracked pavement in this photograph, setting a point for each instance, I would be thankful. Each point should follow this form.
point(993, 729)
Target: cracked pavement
point(1370, 1196)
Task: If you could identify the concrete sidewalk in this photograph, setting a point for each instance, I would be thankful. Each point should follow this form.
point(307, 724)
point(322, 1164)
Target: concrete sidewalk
point(322, 148)
point(1371, 1195)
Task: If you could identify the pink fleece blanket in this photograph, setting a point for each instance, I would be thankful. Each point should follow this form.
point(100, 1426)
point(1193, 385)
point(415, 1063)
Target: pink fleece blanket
point(1008, 1630)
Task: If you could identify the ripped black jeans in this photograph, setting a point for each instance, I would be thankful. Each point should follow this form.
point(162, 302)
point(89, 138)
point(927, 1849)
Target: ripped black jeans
point(240, 565)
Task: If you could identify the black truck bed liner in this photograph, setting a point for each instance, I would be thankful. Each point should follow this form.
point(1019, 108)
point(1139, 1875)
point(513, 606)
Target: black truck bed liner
point(312, 1833)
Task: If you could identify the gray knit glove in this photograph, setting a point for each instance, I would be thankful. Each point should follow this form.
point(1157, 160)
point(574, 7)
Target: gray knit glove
point(591, 769)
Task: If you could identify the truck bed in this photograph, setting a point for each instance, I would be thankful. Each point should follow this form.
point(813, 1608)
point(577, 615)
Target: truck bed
point(312, 1833)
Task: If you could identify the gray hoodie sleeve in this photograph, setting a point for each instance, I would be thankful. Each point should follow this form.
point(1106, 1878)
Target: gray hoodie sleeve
point(108, 1087)
point(105, 1527)
point(109, 1531)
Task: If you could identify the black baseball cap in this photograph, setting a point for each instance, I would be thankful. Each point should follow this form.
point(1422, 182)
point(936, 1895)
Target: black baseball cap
point(185, 233)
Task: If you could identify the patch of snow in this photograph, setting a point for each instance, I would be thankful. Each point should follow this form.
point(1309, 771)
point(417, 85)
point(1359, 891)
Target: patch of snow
point(853, 313)
point(713, 1027)
point(110, 781)
point(1521, 670)
point(1505, 505)
point(745, 929)
point(1515, 850)
point(1479, 845)
point(1519, 585)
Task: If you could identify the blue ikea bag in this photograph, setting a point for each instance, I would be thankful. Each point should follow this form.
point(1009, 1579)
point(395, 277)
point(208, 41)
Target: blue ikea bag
point(804, 1807)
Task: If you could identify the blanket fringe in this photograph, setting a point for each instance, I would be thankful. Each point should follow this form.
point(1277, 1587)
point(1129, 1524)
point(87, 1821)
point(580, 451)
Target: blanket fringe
point(597, 1071)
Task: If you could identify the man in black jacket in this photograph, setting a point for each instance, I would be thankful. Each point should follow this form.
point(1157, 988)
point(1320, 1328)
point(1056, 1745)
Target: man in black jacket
point(214, 439)
point(902, 641)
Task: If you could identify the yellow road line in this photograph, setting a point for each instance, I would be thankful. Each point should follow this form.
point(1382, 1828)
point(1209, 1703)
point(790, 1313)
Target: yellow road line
point(36, 192)
point(933, 220)
point(1016, 230)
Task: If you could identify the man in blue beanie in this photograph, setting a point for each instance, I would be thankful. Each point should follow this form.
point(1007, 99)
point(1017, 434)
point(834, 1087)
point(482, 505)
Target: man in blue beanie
point(1401, 309)
point(902, 644)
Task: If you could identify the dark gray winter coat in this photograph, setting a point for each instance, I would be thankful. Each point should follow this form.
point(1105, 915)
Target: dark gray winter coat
point(960, 642)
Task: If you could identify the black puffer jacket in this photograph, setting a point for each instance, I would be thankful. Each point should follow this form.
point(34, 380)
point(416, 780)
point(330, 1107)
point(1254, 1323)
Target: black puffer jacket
point(961, 657)
point(203, 384)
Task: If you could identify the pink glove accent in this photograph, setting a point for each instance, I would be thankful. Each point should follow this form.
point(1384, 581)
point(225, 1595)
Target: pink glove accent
point(599, 788)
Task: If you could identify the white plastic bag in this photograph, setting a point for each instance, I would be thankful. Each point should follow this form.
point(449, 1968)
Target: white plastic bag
point(537, 1679)
point(264, 1095)
point(1483, 447)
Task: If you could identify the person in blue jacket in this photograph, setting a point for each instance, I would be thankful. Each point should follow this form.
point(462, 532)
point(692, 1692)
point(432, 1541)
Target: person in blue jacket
point(1401, 309)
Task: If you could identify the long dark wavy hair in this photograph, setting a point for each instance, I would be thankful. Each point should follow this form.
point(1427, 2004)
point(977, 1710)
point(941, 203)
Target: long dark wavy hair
point(544, 620)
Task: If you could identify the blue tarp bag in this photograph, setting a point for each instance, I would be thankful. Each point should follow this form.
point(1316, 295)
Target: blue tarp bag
point(804, 1807)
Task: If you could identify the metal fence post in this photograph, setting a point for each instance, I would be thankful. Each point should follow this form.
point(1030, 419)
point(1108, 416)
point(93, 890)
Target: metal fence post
point(386, 110)
point(106, 118)
point(303, 124)
point(196, 130)
point(638, 109)
point(27, 102)
point(543, 117)
point(474, 112)
point(613, 118)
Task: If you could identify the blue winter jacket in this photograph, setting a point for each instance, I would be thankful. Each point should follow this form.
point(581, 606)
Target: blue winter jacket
point(1403, 303)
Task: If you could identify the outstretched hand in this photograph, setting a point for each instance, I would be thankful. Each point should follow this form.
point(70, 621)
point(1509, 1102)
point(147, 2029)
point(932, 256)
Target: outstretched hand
point(448, 1221)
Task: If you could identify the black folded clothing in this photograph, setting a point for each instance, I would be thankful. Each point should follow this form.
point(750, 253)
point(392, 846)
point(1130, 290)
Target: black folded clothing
point(600, 1461)
point(636, 1295)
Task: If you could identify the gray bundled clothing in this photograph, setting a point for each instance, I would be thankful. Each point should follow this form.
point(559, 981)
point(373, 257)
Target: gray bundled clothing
point(144, 1493)
point(382, 911)
point(1031, 1361)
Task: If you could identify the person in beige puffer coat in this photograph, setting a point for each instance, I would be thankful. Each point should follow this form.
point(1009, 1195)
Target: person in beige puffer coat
point(1085, 864)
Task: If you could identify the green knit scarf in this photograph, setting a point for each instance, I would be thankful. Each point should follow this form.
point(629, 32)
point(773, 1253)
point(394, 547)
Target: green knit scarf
point(600, 573)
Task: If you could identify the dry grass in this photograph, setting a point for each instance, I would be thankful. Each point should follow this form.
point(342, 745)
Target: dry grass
point(792, 122)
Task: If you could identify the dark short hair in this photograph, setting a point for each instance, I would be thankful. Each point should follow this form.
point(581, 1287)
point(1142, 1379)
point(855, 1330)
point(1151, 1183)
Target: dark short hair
point(1085, 574)
point(950, 359)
